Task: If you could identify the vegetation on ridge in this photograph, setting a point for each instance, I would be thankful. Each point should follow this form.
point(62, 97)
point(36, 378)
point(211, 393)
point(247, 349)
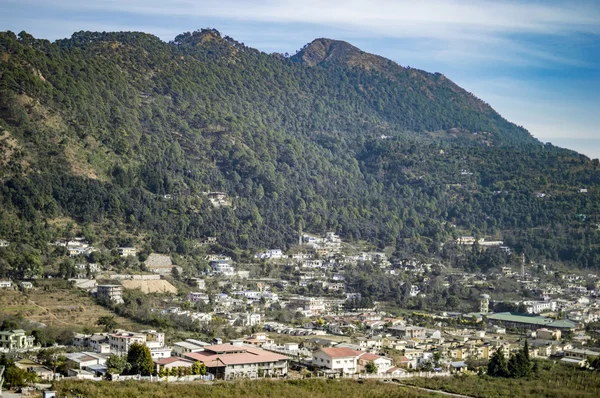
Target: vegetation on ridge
point(123, 132)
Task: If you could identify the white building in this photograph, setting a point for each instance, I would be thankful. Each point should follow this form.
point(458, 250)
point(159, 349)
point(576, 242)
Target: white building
point(271, 254)
point(110, 292)
point(5, 284)
point(4, 243)
point(195, 297)
point(222, 267)
point(184, 347)
point(342, 360)
point(312, 264)
point(537, 307)
point(127, 251)
point(121, 341)
point(382, 363)
point(199, 283)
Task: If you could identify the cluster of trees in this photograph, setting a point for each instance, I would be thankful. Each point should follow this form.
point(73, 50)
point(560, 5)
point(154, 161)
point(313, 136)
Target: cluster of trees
point(198, 368)
point(13, 376)
point(127, 132)
point(519, 365)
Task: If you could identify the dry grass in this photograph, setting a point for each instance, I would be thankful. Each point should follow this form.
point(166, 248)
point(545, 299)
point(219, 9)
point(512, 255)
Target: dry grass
point(58, 307)
point(310, 388)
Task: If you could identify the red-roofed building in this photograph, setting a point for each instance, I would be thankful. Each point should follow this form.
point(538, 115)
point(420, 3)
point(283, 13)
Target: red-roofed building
point(382, 363)
point(343, 360)
point(405, 362)
point(231, 361)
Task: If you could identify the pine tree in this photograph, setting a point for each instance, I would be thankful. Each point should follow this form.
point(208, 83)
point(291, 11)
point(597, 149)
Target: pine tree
point(526, 360)
point(498, 367)
point(140, 359)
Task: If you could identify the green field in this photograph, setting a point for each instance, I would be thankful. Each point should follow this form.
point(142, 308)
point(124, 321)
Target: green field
point(552, 381)
point(308, 388)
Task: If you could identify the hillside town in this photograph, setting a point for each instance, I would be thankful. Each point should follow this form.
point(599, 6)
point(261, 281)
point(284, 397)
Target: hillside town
point(313, 321)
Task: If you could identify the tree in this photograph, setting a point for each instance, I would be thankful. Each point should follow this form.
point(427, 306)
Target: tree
point(40, 336)
point(498, 366)
point(519, 364)
point(140, 359)
point(526, 360)
point(108, 322)
point(15, 377)
point(371, 368)
point(198, 368)
point(117, 364)
point(9, 324)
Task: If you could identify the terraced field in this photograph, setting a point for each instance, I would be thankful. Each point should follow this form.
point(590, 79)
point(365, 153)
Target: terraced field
point(54, 306)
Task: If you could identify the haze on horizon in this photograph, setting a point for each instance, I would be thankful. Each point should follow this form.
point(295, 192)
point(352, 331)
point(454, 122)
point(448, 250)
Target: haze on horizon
point(537, 63)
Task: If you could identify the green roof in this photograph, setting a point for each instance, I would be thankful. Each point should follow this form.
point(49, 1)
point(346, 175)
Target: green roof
point(563, 324)
point(521, 318)
point(533, 320)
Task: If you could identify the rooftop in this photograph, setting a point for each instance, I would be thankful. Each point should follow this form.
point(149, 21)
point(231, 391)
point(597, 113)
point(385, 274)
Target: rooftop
point(337, 352)
point(218, 356)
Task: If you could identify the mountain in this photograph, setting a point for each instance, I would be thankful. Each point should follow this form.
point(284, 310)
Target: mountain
point(120, 136)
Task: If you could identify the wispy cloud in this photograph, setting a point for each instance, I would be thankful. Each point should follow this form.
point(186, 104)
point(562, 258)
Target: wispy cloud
point(464, 29)
point(521, 56)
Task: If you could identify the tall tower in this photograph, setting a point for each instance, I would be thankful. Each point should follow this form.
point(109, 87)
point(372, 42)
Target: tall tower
point(484, 304)
point(523, 266)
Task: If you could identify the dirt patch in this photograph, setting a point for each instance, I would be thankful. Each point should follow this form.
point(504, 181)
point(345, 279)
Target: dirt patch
point(154, 286)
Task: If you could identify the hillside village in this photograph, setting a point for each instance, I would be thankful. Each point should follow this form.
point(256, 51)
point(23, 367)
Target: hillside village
point(312, 320)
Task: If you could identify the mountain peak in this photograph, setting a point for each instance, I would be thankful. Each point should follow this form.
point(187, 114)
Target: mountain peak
point(327, 51)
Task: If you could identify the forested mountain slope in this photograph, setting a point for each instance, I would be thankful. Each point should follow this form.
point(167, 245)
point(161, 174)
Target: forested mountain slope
point(121, 131)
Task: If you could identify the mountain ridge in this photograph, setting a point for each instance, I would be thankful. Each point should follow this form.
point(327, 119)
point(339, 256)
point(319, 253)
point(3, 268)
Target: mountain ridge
point(125, 133)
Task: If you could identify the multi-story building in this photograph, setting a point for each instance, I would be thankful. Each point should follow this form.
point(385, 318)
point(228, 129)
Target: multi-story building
point(121, 341)
point(16, 340)
point(222, 267)
point(537, 307)
point(382, 363)
point(195, 297)
point(110, 292)
point(410, 332)
point(342, 360)
point(547, 334)
point(127, 251)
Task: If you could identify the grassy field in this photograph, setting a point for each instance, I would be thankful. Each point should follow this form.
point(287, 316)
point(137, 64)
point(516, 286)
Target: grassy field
point(56, 306)
point(553, 381)
point(311, 388)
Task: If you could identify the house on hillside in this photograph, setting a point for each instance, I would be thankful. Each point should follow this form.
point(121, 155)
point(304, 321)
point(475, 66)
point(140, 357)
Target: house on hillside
point(15, 340)
point(382, 363)
point(127, 251)
point(342, 360)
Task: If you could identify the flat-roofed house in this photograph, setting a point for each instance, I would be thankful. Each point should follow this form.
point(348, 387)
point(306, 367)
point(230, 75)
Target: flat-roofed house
point(184, 347)
point(127, 251)
point(121, 341)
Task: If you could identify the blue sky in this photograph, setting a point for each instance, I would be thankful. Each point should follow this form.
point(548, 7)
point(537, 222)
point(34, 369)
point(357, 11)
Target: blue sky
point(536, 62)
